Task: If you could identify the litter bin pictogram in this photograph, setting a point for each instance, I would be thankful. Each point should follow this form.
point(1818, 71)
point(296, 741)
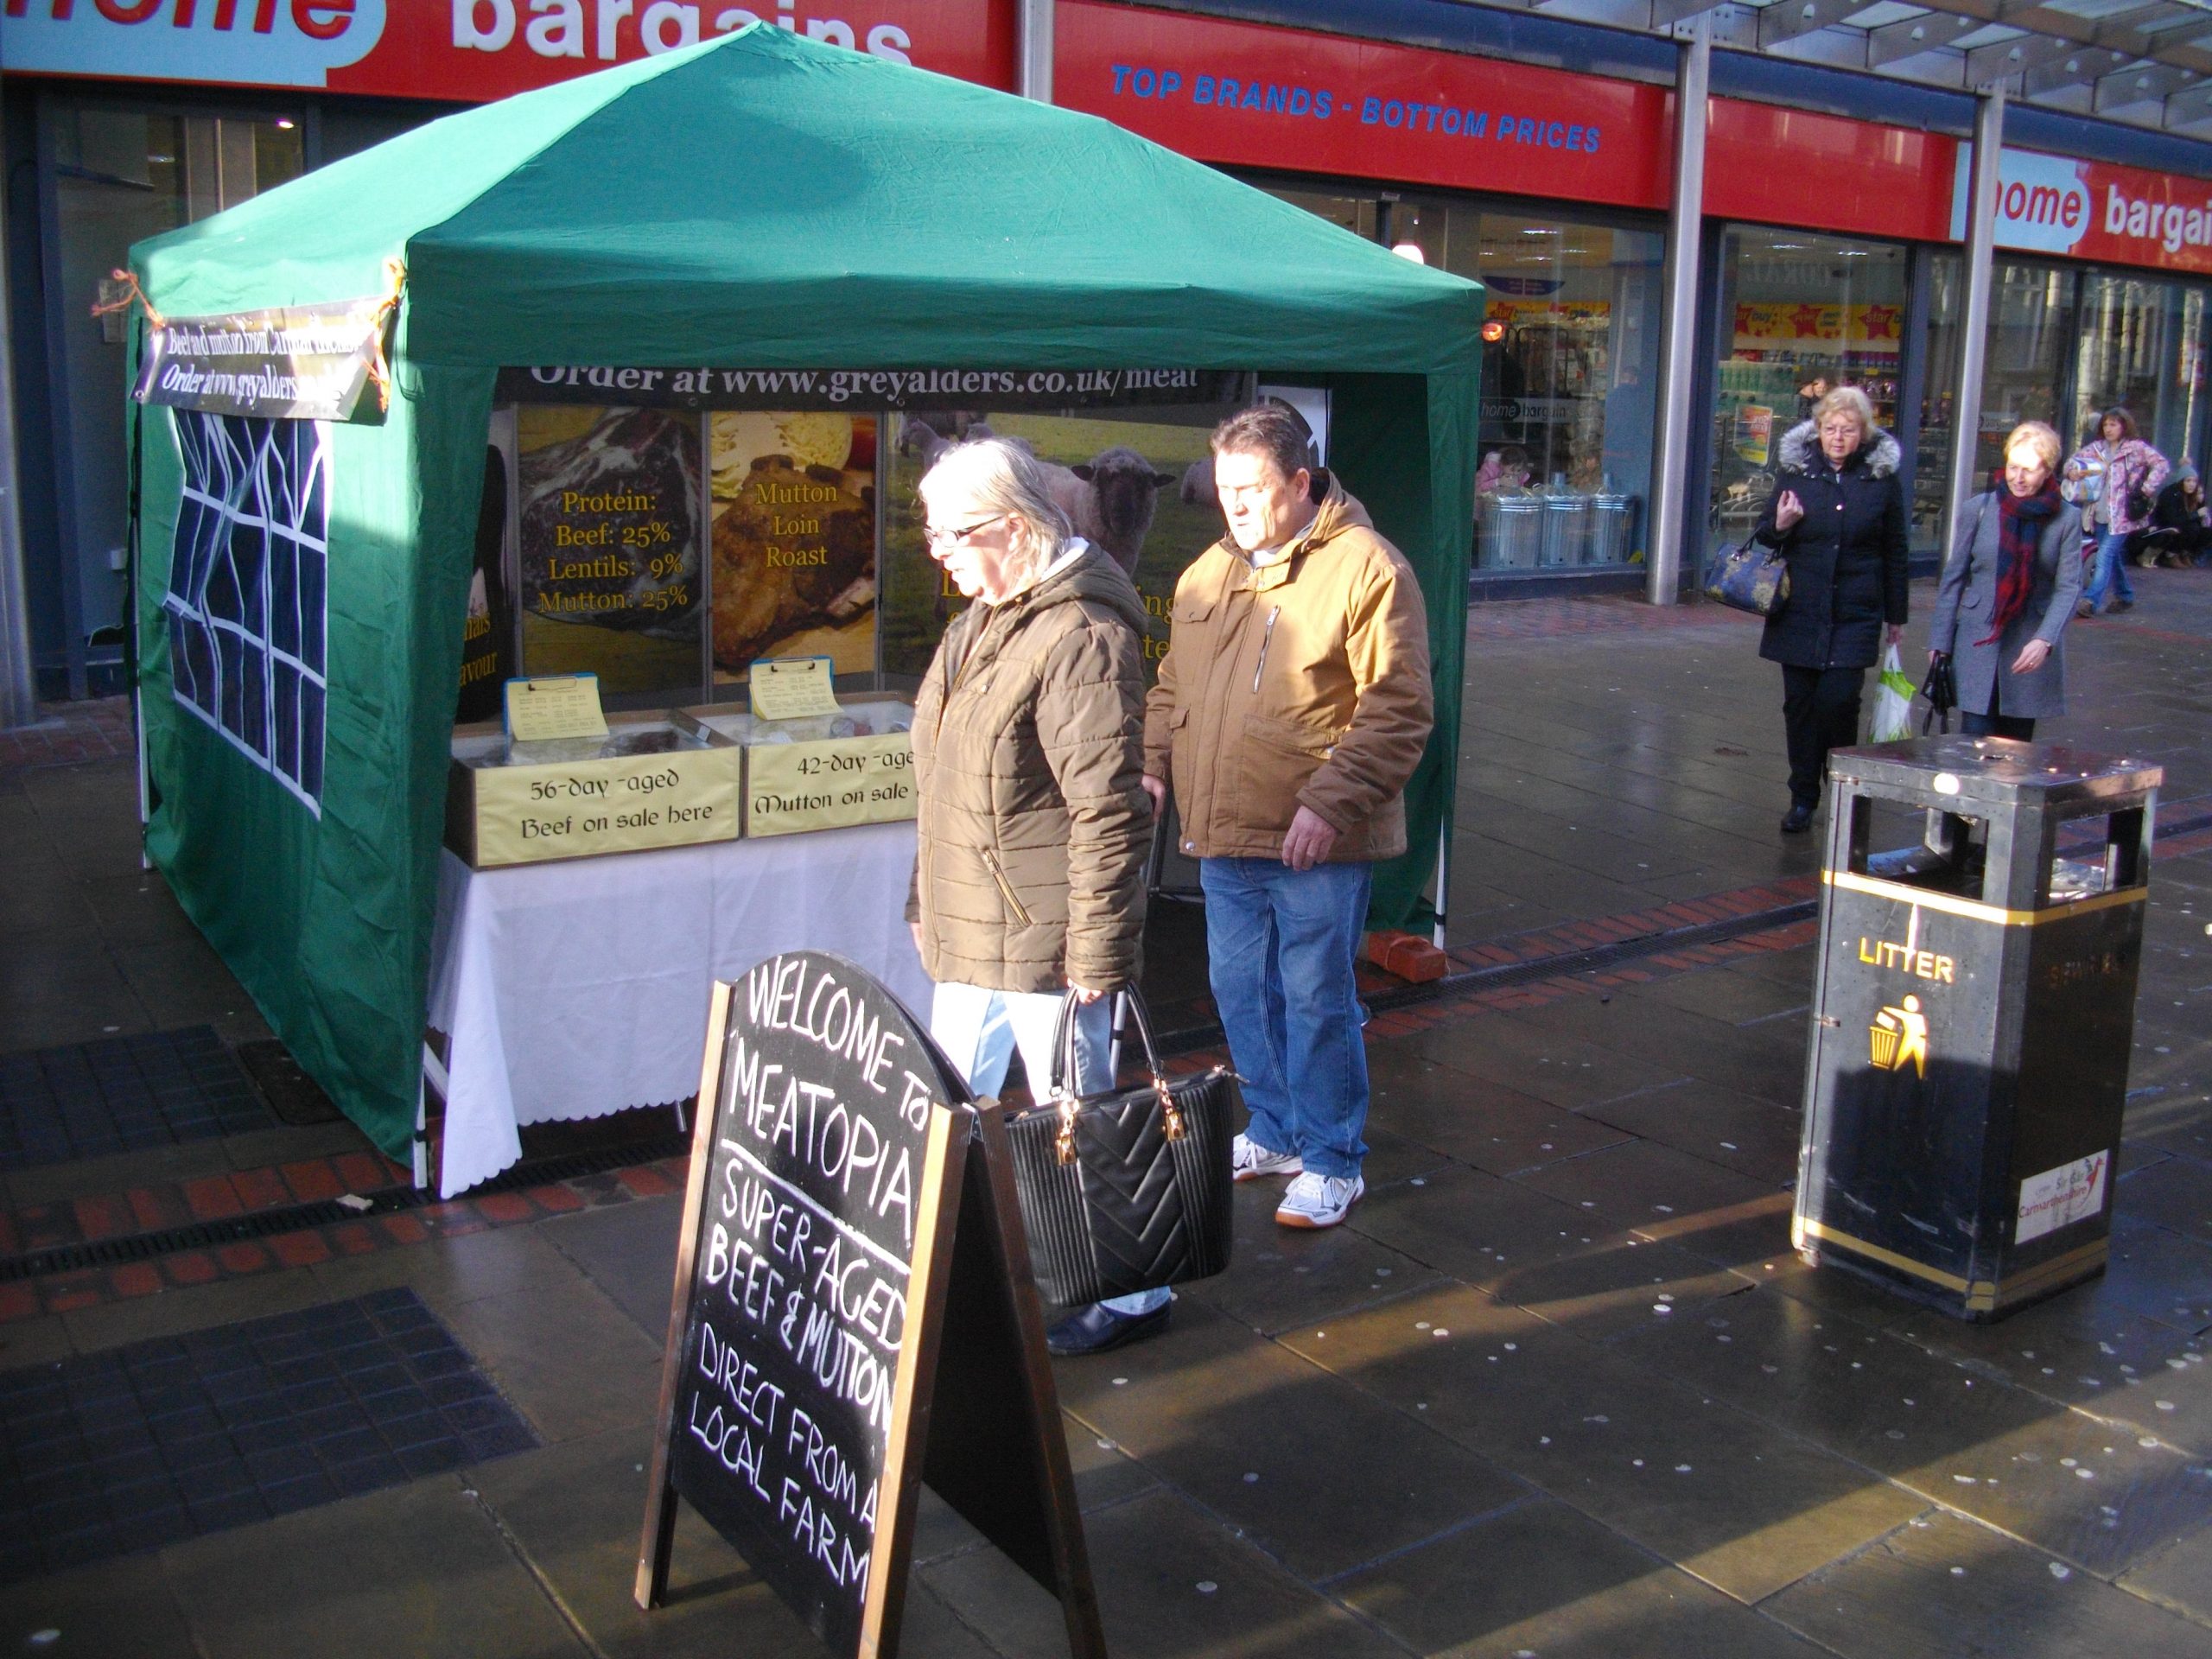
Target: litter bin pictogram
point(1973, 1017)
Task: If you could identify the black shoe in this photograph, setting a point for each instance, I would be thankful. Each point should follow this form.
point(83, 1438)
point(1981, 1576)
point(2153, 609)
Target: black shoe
point(1797, 819)
point(2123, 604)
point(1098, 1328)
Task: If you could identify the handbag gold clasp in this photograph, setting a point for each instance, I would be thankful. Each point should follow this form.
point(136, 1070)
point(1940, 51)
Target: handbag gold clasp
point(1063, 1143)
point(1170, 1116)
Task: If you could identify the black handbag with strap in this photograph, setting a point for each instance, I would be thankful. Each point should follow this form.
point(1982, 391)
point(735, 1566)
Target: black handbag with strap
point(1940, 688)
point(1127, 1190)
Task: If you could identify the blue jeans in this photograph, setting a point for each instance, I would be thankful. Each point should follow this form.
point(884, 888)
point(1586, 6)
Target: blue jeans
point(979, 1030)
point(1280, 947)
point(2111, 572)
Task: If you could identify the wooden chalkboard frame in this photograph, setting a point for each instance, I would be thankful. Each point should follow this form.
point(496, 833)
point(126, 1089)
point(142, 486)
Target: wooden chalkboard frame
point(974, 1322)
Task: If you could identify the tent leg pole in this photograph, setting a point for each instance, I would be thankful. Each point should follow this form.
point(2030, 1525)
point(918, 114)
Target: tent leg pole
point(145, 791)
point(422, 1125)
point(1443, 878)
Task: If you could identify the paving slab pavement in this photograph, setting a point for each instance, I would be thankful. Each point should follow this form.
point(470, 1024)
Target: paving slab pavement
point(1559, 1387)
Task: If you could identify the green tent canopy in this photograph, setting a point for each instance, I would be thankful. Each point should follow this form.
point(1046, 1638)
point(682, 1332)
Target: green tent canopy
point(758, 201)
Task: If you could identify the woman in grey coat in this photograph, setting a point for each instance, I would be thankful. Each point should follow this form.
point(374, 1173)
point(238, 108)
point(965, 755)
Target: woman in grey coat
point(2008, 592)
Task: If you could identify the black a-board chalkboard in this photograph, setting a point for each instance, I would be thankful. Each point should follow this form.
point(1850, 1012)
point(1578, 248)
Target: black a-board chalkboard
point(851, 1241)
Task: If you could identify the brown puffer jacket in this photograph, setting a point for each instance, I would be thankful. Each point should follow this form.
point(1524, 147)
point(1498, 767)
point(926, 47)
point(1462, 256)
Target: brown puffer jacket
point(1032, 824)
point(1302, 683)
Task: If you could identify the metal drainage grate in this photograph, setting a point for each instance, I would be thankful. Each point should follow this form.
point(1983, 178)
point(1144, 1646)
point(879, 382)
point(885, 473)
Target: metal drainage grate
point(291, 1094)
point(109, 1453)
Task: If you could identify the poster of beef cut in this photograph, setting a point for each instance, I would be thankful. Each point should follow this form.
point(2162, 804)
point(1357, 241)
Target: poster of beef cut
point(794, 510)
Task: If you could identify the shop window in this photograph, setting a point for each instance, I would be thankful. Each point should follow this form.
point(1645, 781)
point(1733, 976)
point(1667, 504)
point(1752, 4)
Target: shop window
point(1569, 379)
point(1354, 214)
point(2065, 345)
point(2141, 346)
point(1801, 315)
point(247, 596)
point(2024, 373)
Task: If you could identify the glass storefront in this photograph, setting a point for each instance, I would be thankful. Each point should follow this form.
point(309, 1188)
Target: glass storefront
point(2065, 343)
point(2024, 366)
point(1569, 376)
point(2141, 345)
point(1570, 371)
point(1800, 313)
point(121, 174)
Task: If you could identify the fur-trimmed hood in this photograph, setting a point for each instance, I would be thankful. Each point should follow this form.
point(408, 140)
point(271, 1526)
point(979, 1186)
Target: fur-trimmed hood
point(1800, 451)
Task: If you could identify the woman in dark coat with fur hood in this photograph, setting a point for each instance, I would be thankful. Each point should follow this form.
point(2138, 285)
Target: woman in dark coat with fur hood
point(1838, 516)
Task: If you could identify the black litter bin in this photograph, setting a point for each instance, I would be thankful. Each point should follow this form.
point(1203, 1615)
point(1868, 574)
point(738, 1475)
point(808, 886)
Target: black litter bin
point(1972, 1017)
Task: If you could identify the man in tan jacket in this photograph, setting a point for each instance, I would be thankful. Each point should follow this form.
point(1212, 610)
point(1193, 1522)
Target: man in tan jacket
point(1291, 707)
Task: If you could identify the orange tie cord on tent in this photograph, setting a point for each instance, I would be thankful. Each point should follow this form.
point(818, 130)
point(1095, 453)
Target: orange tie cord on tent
point(133, 295)
point(395, 279)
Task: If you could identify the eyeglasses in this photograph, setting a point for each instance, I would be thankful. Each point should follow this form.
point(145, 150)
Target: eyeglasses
point(939, 540)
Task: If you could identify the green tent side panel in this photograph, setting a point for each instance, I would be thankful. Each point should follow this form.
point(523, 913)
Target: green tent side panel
point(324, 919)
point(1404, 445)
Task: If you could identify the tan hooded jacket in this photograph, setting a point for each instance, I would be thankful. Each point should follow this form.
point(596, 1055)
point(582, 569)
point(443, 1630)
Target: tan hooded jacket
point(1301, 683)
point(1032, 824)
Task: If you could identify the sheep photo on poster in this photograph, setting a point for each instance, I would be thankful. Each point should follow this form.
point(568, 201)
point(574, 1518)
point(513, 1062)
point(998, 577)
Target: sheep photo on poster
point(1141, 490)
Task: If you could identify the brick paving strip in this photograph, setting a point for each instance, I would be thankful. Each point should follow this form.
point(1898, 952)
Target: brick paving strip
point(66, 733)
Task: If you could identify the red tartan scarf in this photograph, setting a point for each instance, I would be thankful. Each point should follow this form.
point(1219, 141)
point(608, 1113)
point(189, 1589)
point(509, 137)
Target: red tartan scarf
point(2020, 519)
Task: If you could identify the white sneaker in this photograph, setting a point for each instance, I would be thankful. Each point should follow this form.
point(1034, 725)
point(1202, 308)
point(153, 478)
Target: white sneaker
point(1318, 1201)
point(1248, 1160)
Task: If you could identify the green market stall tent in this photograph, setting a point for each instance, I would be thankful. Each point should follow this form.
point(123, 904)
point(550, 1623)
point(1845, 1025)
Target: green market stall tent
point(759, 202)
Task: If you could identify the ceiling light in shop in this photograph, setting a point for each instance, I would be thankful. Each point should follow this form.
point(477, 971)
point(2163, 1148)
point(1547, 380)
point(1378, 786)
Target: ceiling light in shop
point(1787, 247)
point(1855, 253)
point(285, 124)
point(1410, 250)
point(1538, 230)
point(1492, 333)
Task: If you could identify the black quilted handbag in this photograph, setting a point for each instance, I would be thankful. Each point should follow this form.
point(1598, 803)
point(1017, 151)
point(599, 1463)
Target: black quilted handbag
point(1940, 688)
point(1128, 1190)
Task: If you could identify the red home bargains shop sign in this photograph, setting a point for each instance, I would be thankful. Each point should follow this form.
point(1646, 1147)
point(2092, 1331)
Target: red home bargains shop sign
point(2093, 210)
point(1256, 95)
point(469, 50)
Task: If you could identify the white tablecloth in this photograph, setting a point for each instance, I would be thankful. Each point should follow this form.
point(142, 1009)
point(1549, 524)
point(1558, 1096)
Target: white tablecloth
point(577, 989)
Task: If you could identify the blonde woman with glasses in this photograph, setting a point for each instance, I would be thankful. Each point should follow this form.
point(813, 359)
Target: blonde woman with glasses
point(1033, 822)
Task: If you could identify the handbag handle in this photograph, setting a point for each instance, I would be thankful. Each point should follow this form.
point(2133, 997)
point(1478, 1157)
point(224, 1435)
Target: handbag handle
point(1061, 1089)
